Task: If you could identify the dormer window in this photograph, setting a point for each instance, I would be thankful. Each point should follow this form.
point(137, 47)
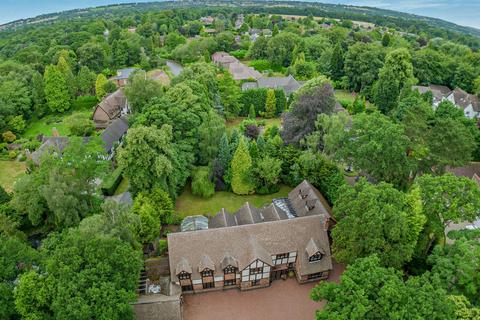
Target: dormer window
point(207, 273)
point(229, 270)
point(184, 275)
point(316, 257)
point(301, 195)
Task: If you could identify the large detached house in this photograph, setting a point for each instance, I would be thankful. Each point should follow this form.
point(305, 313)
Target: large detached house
point(469, 103)
point(110, 108)
point(237, 69)
point(252, 247)
point(288, 84)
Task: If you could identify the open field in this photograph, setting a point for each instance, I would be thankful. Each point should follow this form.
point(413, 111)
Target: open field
point(10, 171)
point(189, 204)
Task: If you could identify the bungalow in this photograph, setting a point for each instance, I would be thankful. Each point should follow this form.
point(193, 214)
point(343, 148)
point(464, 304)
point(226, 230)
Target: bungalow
point(253, 247)
point(110, 108)
point(288, 84)
point(122, 76)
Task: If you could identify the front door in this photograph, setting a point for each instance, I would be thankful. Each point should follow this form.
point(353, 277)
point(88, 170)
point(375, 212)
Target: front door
point(277, 274)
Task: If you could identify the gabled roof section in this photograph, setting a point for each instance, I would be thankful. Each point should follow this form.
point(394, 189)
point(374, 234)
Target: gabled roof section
point(183, 266)
point(273, 213)
point(248, 214)
point(306, 200)
point(112, 105)
point(206, 263)
point(228, 260)
point(256, 251)
point(114, 133)
point(312, 248)
point(222, 219)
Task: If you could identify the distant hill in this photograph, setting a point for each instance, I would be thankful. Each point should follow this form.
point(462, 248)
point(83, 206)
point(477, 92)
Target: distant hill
point(378, 16)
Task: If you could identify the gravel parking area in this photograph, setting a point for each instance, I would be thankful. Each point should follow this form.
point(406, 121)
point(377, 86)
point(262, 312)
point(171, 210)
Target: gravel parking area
point(283, 300)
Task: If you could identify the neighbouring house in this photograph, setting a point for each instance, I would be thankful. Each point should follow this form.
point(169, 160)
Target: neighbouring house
point(471, 171)
point(110, 108)
point(113, 135)
point(239, 22)
point(253, 247)
point(122, 76)
point(288, 84)
point(159, 76)
point(49, 144)
point(469, 103)
point(207, 20)
point(238, 70)
point(210, 31)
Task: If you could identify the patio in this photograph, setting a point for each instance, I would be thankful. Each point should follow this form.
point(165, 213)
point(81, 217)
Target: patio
point(283, 300)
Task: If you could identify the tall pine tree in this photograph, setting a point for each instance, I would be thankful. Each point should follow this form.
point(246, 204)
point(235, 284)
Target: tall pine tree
point(56, 90)
point(241, 167)
point(336, 62)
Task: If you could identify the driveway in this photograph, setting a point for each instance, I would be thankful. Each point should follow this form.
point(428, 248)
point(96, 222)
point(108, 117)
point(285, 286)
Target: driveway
point(283, 300)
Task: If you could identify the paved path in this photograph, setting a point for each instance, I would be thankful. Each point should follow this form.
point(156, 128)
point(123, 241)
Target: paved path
point(283, 300)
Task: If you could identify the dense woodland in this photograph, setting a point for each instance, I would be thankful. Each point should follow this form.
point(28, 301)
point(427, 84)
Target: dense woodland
point(391, 222)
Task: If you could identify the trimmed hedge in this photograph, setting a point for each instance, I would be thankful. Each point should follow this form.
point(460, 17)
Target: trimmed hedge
point(258, 97)
point(111, 182)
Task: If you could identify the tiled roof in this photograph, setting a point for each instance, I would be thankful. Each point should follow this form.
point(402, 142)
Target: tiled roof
point(114, 133)
point(49, 144)
point(112, 104)
point(124, 73)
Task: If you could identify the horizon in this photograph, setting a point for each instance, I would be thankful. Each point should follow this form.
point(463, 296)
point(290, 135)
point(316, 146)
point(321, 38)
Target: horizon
point(464, 13)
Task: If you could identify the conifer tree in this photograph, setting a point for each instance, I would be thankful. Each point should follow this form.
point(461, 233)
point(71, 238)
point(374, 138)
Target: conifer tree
point(56, 90)
point(254, 152)
point(336, 62)
point(251, 112)
point(66, 70)
point(270, 104)
point(241, 167)
point(100, 86)
point(224, 154)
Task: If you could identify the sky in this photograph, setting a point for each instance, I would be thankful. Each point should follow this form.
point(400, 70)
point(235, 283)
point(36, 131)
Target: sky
point(462, 12)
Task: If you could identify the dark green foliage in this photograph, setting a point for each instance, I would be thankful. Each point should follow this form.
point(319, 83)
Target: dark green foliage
point(336, 64)
point(201, 182)
point(111, 182)
point(369, 291)
point(258, 98)
point(320, 172)
point(4, 196)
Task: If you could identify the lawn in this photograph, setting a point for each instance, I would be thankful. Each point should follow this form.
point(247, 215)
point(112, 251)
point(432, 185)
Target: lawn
point(189, 204)
point(46, 124)
point(345, 95)
point(10, 171)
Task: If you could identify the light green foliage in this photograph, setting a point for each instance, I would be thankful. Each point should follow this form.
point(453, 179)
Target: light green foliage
point(83, 276)
point(358, 105)
point(17, 124)
point(210, 132)
point(376, 219)
point(241, 167)
point(80, 124)
point(267, 174)
point(151, 160)
point(336, 62)
point(396, 74)
point(201, 182)
point(155, 209)
point(329, 133)
point(281, 48)
point(62, 190)
point(56, 90)
point(86, 81)
point(457, 266)
point(270, 104)
point(67, 73)
point(464, 309)
point(303, 70)
point(100, 86)
point(229, 95)
point(378, 147)
point(369, 291)
point(319, 171)
point(14, 253)
point(251, 112)
point(140, 90)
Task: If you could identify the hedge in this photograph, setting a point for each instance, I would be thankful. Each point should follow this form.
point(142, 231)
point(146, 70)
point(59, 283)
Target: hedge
point(257, 97)
point(111, 182)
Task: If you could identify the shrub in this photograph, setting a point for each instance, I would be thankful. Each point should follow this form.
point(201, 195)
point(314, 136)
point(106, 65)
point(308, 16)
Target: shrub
point(258, 98)
point(31, 145)
point(111, 182)
point(12, 154)
point(8, 136)
point(239, 54)
point(201, 183)
point(80, 124)
point(162, 247)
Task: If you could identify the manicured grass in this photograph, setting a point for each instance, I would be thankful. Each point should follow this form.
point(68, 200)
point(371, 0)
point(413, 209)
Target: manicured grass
point(122, 187)
point(46, 124)
point(10, 171)
point(189, 204)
